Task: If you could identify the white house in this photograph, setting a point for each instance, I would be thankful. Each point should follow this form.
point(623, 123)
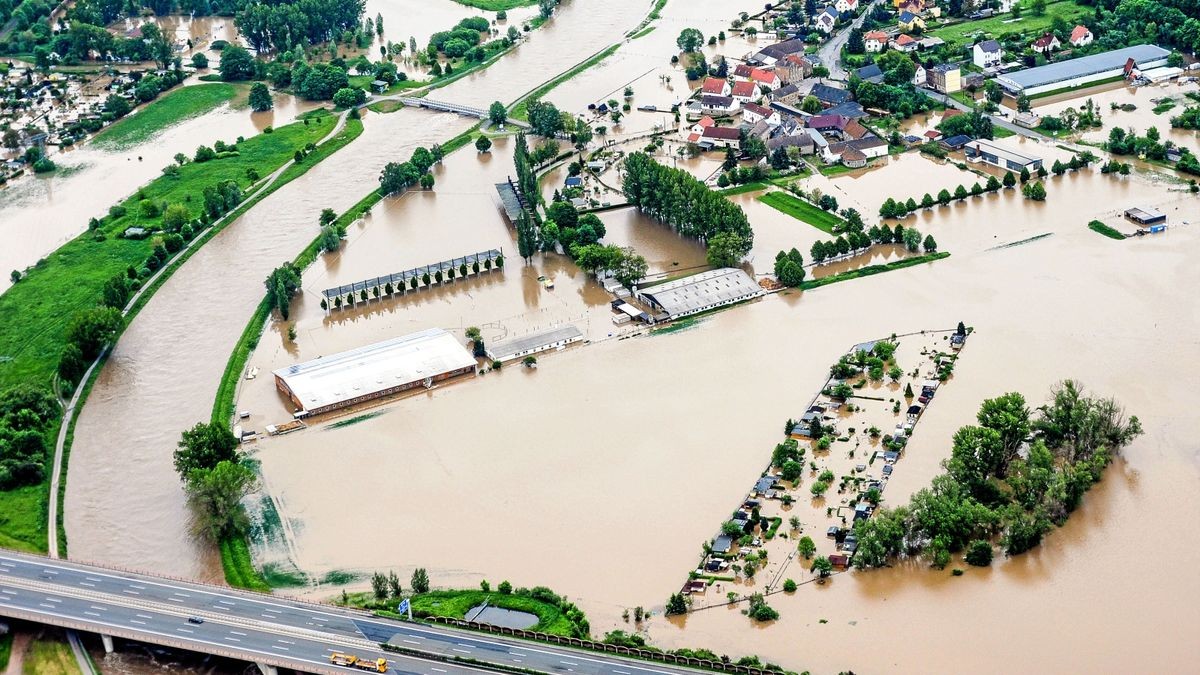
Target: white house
point(844, 6)
point(826, 20)
point(1081, 36)
point(987, 54)
point(875, 41)
point(753, 113)
point(919, 76)
point(1046, 44)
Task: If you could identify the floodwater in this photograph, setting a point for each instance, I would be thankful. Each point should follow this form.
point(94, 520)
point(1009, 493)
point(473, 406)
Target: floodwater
point(1140, 119)
point(625, 453)
point(150, 389)
point(39, 214)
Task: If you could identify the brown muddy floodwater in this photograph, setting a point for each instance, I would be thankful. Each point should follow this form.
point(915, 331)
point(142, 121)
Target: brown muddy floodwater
point(1139, 119)
point(627, 453)
point(42, 213)
point(150, 389)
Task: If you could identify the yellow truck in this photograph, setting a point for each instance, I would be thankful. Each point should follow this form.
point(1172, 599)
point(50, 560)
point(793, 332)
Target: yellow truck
point(352, 661)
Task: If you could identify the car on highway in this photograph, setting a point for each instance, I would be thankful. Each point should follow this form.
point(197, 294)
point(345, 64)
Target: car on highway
point(195, 619)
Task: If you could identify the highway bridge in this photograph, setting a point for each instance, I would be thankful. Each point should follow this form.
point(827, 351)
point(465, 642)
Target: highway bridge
point(270, 631)
point(444, 106)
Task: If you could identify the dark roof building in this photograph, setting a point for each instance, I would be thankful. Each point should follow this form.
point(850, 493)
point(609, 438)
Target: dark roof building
point(871, 73)
point(829, 96)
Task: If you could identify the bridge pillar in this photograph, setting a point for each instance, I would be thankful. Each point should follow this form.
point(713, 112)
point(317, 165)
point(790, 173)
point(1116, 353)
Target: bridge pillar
point(266, 669)
point(108, 643)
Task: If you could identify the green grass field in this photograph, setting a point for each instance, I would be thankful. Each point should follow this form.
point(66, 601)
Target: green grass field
point(1110, 232)
point(70, 279)
point(996, 26)
point(496, 5)
point(802, 211)
point(456, 604)
point(6, 642)
point(870, 270)
point(170, 109)
point(49, 656)
point(23, 518)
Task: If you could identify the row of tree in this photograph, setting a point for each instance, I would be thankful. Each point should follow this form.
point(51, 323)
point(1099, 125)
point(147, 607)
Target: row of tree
point(414, 283)
point(397, 176)
point(854, 241)
point(26, 415)
point(216, 480)
point(676, 198)
point(1009, 478)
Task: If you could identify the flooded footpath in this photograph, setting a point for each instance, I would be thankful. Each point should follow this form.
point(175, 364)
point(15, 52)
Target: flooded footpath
point(41, 213)
point(152, 387)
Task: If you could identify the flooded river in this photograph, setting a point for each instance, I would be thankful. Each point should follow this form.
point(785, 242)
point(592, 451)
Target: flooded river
point(626, 453)
point(41, 213)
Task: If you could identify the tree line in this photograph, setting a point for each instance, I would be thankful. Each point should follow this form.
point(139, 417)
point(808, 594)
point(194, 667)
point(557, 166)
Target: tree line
point(676, 198)
point(26, 415)
point(856, 240)
point(397, 176)
point(1009, 479)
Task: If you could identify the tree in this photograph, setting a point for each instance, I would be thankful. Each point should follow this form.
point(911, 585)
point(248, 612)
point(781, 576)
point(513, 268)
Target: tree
point(759, 609)
point(1038, 7)
point(1009, 179)
point(281, 284)
point(419, 581)
point(676, 604)
point(631, 269)
point(930, 245)
point(396, 176)
point(1034, 191)
point(497, 113)
point(806, 547)
point(216, 495)
point(811, 104)
point(426, 181)
point(1008, 416)
point(236, 64)
point(854, 43)
point(379, 585)
point(689, 39)
point(203, 447)
point(1023, 103)
point(348, 97)
point(260, 97)
point(822, 567)
point(330, 239)
point(1025, 175)
point(726, 249)
point(483, 144)
point(92, 329)
point(979, 553)
point(960, 193)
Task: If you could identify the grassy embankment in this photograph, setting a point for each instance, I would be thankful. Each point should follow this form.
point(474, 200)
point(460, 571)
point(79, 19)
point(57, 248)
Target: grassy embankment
point(6, 643)
point(553, 612)
point(171, 108)
point(801, 210)
point(872, 269)
point(1028, 25)
point(496, 5)
point(1111, 233)
point(71, 278)
point(521, 110)
point(236, 559)
point(47, 656)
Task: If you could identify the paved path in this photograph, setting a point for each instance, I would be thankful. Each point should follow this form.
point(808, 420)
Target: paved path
point(830, 52)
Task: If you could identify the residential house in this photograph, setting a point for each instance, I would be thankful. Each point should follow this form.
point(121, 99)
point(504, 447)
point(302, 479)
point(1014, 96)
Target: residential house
point(845, 6)
point(868, 147)
point(765, 78)
point(946, 78)
point(721, 137)
point(744, 90)
point(787, 94)
point(717, 105)
point(753, 113)
point(874, 41)
point(871, 73)
point(853, 158)
point(1007, 5)
point(955, 142)
point(704, 123)
point(715, 86)
point(912, 7)
point(905, 43)
point(826, 20)
point(907, 21)
point(1081, 36)
point(769, 55)
point(803, 142)
point(930, 42)
point(742, 72)
point(1046, 44)
point(920, 76)
point(792, 68)
point(850, 110)
point(987, 54)
point(833, 126)
point(855, 131)
point(829, 96)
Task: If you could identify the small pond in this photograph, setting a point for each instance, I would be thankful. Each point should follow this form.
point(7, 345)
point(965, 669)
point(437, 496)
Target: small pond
point(496, 616)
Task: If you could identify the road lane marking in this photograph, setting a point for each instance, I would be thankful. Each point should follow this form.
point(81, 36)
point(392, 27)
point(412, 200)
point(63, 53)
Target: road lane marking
point(517, 661)
point(45, 604)
point(185, 630)
point(464, 644)
point(126, 590)
point(103, 609)
point(53, 600)
point(91, 613)
point(140, 623)
point(412, 642)
point(232, 639)
point(225, 602)
point(175, 599)
point(285, 641)
point(621, 672)
point(440, 670)
point(49, 572)
point(181, 594)
point(464, 651)
point(93, 578)
point(237, 633)
point(279, 647)
point(144, 616)
point(568, 663)
point(140, 588)
point(88, 584)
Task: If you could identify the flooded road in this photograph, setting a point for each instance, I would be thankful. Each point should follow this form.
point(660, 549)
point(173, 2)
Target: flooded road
point(39, 214)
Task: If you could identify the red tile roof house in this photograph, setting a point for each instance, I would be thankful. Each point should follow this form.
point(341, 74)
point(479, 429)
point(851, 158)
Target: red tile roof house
point(766, 78)
point(745, 90)
point(1046, 44)
point(714, 85)
point(723, 136)
point(1081, 36)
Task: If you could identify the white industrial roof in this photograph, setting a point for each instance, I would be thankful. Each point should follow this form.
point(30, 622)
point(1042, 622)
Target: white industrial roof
point(1061, 71)
point(374, 368)
point(984, 145)
point(706, 289)
point(505, 350)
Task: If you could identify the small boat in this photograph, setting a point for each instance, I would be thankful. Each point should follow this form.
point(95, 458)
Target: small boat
point(252, 374)
point(546, 282)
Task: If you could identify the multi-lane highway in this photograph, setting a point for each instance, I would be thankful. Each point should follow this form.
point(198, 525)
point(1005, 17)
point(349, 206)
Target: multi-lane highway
point(266, 629)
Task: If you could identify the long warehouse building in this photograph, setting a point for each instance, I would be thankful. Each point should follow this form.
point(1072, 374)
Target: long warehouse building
point(1082, 71)
point(374, 371)
point(699, 293)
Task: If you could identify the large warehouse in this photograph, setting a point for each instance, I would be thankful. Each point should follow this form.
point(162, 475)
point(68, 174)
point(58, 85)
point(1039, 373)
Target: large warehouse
point(1082, 71)
point(378, 370)
point(700, 293)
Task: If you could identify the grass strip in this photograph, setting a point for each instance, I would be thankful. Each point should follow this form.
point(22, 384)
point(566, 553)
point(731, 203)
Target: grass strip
point(239, 565)
point(873, 269)
point(803, 211)
point(521, 110)
point(455, 604)
point(168, 110)
point(496, 5)
point(1111, 233)
point(743, 188)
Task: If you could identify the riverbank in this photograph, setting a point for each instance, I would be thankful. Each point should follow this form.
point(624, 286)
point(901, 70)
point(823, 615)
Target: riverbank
point(172, 108)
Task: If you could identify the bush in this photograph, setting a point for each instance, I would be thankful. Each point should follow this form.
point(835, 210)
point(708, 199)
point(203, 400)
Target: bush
point(789, 586)
point(979, 553)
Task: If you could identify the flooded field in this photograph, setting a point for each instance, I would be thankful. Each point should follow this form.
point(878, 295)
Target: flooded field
point(625, 453)
point(40, 214)
point(1140, 119)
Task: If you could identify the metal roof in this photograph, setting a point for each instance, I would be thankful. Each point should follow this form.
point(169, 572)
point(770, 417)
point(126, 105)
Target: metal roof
point(701, 291)
point(503, 350)
point(374, 368)
point(1082, 67)
point(400, 280)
